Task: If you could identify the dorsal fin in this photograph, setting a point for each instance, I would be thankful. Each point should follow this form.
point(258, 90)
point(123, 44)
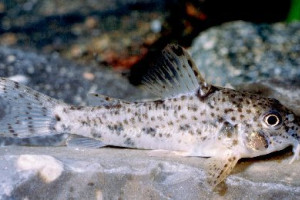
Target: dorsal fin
point(174, 74)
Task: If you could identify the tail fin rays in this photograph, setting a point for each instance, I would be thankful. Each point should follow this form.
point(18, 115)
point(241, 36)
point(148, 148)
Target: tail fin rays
point(24, 112)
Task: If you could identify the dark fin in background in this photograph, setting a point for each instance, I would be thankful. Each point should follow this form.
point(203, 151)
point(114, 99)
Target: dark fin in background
point(174, 74)
point(25, 113)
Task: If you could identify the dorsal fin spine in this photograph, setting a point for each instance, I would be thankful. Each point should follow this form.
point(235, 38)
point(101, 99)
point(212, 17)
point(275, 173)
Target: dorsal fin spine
point(175, 74)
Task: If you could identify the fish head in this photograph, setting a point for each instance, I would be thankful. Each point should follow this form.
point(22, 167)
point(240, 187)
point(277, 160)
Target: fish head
point(274, 127)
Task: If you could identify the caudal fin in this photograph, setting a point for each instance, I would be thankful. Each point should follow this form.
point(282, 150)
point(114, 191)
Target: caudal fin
point(25, 113)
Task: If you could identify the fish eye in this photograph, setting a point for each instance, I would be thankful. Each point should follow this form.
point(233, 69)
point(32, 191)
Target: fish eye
point(273, 119)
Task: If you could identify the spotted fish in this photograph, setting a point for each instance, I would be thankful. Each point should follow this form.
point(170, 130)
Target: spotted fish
point(189, 116)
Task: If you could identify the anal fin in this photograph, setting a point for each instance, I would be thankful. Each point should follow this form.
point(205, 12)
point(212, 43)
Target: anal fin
point(84, 142)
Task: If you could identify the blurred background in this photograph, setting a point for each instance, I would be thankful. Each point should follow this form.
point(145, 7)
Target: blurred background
point(124, 35)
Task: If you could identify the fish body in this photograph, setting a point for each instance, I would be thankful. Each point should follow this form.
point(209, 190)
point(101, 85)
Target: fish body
point(191, 116)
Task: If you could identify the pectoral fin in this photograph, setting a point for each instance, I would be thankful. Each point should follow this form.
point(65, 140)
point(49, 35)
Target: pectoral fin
point(220, 167)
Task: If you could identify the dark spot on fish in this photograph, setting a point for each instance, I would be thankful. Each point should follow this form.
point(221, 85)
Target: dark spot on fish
point(132, 120)
point(16, 85)
point(199, 132)
point(57, 117)
point(177, 50)
point(203, 112)
point(91, 184)
point(184, 127)
point(220, 119)
point(96, 134)
point(37, 97)
point(145, 115)
point(210, 105)
point(117, 112)
point(183, 116)
point(193, 108)
point(116, 128)
point(191, 132)
point(72, 108)
point(149, 131)
point(227, 110)
point(160, 117)
point(235, 142)
point(10, 128)
point(129, 142)
point(30, 127)
point(195, 71)
point(170, 123)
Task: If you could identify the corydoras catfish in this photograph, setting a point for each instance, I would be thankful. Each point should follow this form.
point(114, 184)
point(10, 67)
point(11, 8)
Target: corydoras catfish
point(191, 116)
